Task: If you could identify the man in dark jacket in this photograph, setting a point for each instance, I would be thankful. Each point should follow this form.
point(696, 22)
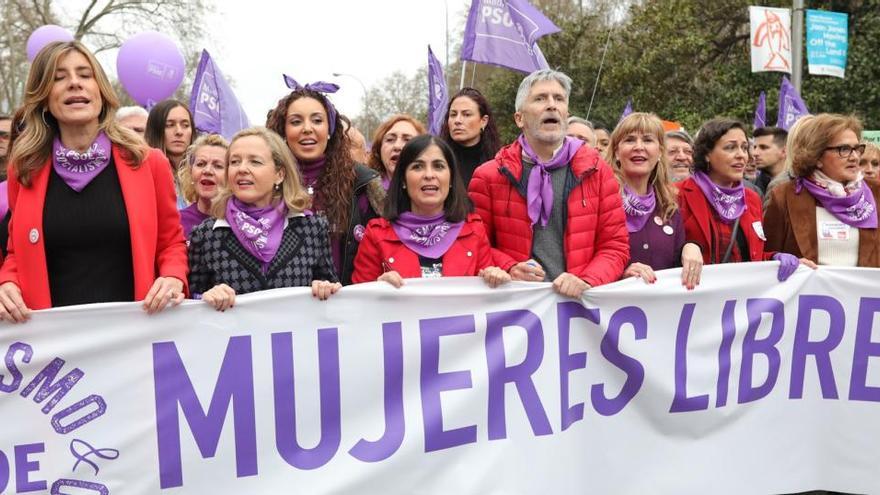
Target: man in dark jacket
point(551, 206)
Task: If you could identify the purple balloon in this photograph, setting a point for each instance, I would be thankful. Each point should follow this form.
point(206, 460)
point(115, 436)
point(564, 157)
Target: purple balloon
point(44, 35)
point(150, 67)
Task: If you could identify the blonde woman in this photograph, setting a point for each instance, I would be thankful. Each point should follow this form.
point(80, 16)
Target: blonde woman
point(828, 213)
point(656, 235)
point(202, 176)
point(94, 218)
point(262, 236)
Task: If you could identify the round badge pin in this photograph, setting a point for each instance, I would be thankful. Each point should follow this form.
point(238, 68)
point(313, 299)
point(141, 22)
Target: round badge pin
point(668, 230)
point(34, 236)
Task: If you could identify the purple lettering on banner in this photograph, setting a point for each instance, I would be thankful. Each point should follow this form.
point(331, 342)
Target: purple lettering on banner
point(285, 400)
point(821, 349)
point(13, 369)
point(235, 384)
point(728, 333)
point(753, 345)
point(395, 425)
point(565, 312)
point(4, 471)
point(610, 347)
point(59, 388)
point(864, 350)
point(97, 412)
point(519, 374)
point(25, 466)
point(433, 382)
point(82, 485)
point(681, 402)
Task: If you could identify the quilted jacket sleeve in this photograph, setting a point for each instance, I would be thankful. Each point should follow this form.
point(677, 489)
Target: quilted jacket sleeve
point(612, 239)
point(479, 190)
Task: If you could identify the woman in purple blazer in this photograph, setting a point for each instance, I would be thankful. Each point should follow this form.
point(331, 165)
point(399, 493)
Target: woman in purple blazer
point(656, 233)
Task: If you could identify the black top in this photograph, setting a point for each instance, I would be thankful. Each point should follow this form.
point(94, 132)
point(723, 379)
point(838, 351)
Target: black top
point(88, 241)
point(469, 158)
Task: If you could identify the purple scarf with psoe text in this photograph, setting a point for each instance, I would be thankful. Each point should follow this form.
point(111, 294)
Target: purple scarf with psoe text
point(79, 169)
point(259, 230)
point(320, 87)
point(728, 202)
point(430, 237)
point(638, 208)
point(857, 209)
point(539, 192)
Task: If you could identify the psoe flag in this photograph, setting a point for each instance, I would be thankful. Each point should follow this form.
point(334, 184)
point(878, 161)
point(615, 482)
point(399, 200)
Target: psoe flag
point(505, 33)
point(827, 42)
point(770, 39)
point(438, 95)
point(215, 107)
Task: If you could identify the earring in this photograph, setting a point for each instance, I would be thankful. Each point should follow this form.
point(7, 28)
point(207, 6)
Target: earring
point(43, 115)
point(277, 186)
point(404, 186)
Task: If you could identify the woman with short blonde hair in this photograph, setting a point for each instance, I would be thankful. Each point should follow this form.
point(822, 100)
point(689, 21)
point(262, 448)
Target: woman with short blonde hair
point(202, 176)
point(262, 235)
point(828, 213)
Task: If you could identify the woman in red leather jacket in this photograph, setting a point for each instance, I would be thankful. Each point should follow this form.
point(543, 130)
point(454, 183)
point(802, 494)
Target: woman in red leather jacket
point(428, 230)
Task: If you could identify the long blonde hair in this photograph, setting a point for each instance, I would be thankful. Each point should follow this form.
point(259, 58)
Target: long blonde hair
point(34, 145)
point(292, 191)
point(184, 173)
point(646, 123)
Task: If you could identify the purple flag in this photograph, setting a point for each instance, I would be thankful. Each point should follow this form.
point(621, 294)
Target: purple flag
point(791, 106)
point(214, 106)
point(761, 112)
point(628, 109)
point(438, 95)
point(504, 33)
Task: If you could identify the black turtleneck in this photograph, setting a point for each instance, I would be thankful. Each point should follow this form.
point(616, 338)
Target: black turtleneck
point(469, 158)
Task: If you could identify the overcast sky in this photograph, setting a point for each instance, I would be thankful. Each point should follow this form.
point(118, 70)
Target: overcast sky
point(255, 41)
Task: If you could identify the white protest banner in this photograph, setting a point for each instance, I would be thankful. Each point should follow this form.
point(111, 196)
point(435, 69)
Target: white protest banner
point(744, 385)
point(770, 39)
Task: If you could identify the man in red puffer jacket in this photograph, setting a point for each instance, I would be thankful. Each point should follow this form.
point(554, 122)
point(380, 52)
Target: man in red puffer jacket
point(551, 206)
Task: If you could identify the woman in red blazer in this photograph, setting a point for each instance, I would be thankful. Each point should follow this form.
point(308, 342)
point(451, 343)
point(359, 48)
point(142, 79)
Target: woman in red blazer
point(428, 230)
point(94, 216)
point(719, 214)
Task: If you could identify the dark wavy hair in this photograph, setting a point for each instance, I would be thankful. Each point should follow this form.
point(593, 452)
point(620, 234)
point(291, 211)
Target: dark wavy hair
point(154, 133)
point(457, 205)
point(708, 136)
point(335, 186)
point(490, 143)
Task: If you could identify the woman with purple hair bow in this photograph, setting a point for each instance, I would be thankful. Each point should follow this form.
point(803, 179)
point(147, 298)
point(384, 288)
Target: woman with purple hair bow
point(346, 193)
point(828, 214)
point(719, 214)
point(261, 236)
point(429, 229)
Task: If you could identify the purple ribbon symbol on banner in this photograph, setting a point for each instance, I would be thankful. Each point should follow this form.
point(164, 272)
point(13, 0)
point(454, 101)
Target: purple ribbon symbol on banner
point(107, 454)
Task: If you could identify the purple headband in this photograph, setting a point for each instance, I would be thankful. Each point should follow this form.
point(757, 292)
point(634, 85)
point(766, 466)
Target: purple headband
point(320, 87)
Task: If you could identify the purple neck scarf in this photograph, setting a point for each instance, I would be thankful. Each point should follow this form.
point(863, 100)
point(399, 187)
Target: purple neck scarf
point(857, 209)
point(259, 230)
point(638, 208)
point(78, 169)
point(311, 172)
point(430, 237)
point(729, 202)
point(539, 193)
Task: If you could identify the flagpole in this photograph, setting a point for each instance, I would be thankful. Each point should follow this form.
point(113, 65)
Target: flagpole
point(473, 74)
point(599, 74)
point(797, 43)
point(463, 71)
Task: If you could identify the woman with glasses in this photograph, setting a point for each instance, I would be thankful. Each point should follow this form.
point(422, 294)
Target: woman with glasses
point(828, 214)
